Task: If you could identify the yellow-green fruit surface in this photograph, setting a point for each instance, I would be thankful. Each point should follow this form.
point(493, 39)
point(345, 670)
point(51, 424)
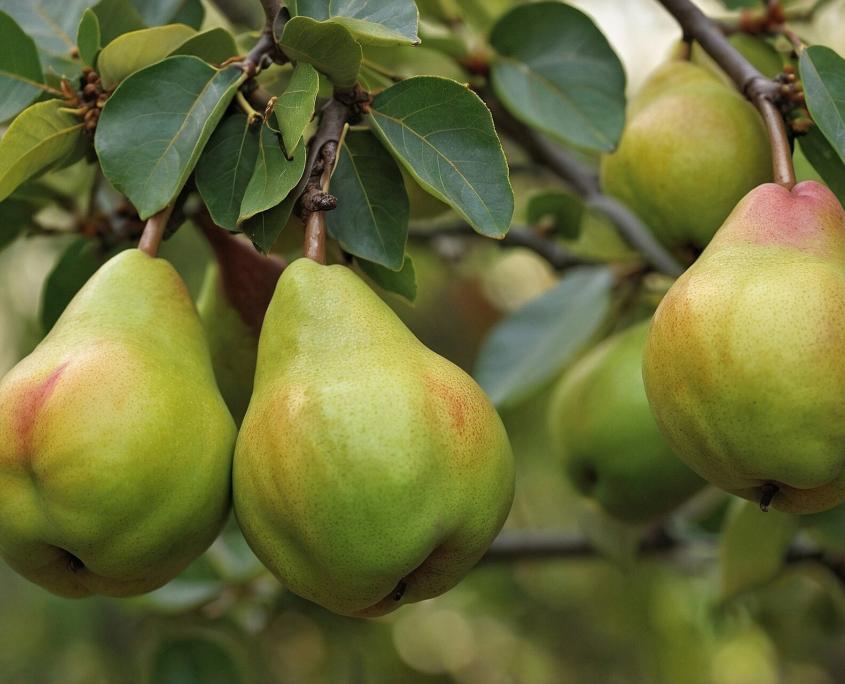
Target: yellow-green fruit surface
point(115, 444)
point(691, 148)
point(369, 471)
point(744, 365)
point(602, 428)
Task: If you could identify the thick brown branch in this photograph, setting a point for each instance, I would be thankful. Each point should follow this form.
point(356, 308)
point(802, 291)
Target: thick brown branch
point(761, 91)
point(265, 51)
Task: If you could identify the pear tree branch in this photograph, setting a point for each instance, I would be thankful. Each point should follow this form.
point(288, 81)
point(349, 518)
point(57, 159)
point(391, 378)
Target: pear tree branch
point(761, 91)
point(265, 51)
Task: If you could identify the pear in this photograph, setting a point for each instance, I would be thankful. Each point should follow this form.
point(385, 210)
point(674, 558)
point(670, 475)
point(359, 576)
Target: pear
point(115, 445)
point(603, 429)
point(744, 366)
point(369, 471)
point(692, 147)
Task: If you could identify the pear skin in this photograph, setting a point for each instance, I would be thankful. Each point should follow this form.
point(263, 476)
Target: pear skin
point(691, 148)
point(603, 430)
point(369, 471)
point(115, 444)
point(744, 366)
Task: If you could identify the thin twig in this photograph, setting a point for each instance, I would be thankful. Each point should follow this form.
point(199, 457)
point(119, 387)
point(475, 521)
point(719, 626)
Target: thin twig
point(265, 51)
point(762, 92)
point(154, 230)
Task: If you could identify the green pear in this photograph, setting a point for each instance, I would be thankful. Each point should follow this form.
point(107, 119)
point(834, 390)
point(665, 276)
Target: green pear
point(115, 445)
point(744, 366)
point(602, 427)
point(369, 471)
point(692, 147)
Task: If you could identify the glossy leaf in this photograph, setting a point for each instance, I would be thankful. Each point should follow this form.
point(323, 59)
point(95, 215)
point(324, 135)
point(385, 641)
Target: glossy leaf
point(52, 25)
point(825, 161)
point(371, 219)
point(264, 228)
point(116, 17)
point(443, 134)
point(563, 211)
point(273, 177)
point(225, 167)
point(530, 348)
point(376, 22)
point(156, 124)
point(295, 105)
point(20, 69)
point(328, 46)
point(133, 51)
point(42, 136)
point(214, 46)
point(555, 71)
point(823, 75)
point(753, 546)
point(88, 38)
point(402, 282)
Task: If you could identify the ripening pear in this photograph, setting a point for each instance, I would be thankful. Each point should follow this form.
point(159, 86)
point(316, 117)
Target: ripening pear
point(744, 365)
point(115, 445)
point(369, 471)
point(691, 148)
point(602, 427)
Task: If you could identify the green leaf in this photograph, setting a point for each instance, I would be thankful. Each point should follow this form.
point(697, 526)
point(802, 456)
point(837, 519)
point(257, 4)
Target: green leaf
point(402, 282)
point(78, 263)
point(214, 46)
point(158, 12)
point(443, 134)
point(328, 46)
point(155, 125)
point(188, 660)
point(41, 137)
point(133, 51)
point(371, 219)
point(88, 38)
point(15, 215)
point(20, 69)
point(52, 25)
point(264, 228)
point(375, 22)
point(295, 106)
point(753, 546)
point(823, 75)
point(274, 175)
point(531, 347)
point(116, 17)
point(191, 13)
point(555, 71)
point(825, 161)
point(225, 167)
point(562, 209)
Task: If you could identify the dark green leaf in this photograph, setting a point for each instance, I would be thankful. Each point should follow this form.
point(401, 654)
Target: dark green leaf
point(190, 660)
point(295, 106)
point(214, 46)
point(739, 4)
point(443, 134)
point(52, 25)
point(133, 51)
point(155, 125)
point(371, 220)
point(15, 215)
point(402, 282)
point(116, 17)
point(88, 38)
point(158, 12)
point(555, 71)
point(264, 228)
point(753, 546)
point(825, 161)
point(328, 46)
point(192, 13)
point(225, 167)
point(42, 136)
point(20, 69)
point(274, 175)
point(563, 210)
point(77, 264)
point(823, 75)
point(376, 22)
point(531, 347)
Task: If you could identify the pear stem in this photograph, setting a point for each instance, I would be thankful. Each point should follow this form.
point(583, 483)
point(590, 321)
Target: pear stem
point(154, 231)
point(761, 91)
point(767, 493)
